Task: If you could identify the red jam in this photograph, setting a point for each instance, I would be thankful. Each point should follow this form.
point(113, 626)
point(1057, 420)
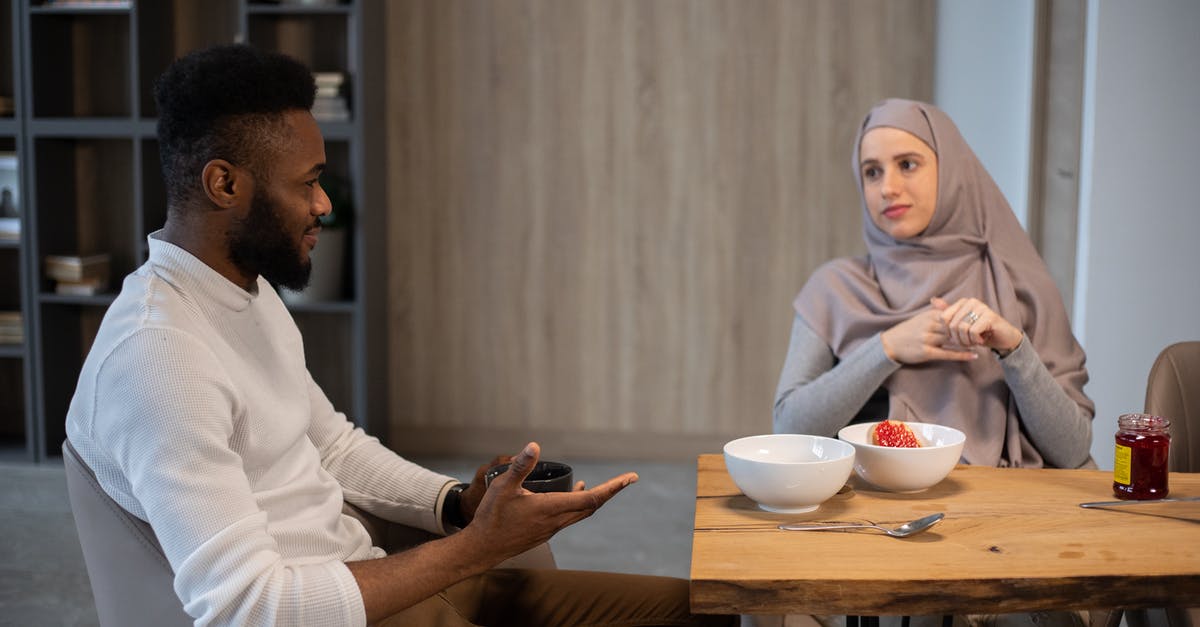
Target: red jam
point(1140, 461)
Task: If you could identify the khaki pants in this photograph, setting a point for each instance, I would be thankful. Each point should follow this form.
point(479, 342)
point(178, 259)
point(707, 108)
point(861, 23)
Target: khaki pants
point(549, 598)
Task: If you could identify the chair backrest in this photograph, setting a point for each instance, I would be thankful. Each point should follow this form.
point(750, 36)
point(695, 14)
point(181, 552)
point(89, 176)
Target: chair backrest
point(1173, 391)
point(132, 581)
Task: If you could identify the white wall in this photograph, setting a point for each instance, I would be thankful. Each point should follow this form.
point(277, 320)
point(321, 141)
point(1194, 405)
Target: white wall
point(1137, 281)
point(984, 81)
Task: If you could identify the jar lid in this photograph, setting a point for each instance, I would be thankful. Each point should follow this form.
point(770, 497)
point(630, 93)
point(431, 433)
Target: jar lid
point(1143, 422)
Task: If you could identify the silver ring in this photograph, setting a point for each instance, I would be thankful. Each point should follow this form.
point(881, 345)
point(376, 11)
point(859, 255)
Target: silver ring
point(971, 317)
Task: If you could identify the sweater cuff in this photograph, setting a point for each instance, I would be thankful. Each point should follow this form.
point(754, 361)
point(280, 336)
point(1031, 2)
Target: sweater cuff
point(350, 591)
point(1021, 366)
point(1021, 357)
point(437, 508)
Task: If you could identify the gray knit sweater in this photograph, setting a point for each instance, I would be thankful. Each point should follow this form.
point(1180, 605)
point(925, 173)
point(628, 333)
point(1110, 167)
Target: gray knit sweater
point(819, 395)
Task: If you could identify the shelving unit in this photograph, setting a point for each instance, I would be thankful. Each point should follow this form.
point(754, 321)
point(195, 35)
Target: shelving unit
point(83, 80)
point(16, 371)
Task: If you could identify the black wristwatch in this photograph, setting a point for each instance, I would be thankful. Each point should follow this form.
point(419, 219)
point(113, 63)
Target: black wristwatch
point(452, 513)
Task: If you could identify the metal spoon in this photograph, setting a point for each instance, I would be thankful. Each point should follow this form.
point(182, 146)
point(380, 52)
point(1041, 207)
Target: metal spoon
point(903, 531)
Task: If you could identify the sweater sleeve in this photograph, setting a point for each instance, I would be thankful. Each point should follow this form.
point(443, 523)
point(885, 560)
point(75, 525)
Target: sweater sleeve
point(1060, 428)
point(169, 437)
point(372, 476)
point(818, 395)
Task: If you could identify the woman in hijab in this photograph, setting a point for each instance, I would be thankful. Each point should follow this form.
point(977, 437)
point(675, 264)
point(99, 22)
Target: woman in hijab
point(950, 318)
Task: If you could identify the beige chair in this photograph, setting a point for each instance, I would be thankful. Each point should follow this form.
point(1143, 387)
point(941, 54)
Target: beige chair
point(131, 578)
point(1173, 391)
point(132, 581)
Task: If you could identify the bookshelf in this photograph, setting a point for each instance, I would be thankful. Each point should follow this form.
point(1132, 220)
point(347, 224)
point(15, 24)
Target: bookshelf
point(82, 75)
point(16, 368)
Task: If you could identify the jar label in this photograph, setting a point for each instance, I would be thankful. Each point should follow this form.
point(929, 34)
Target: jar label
point(1121, 465)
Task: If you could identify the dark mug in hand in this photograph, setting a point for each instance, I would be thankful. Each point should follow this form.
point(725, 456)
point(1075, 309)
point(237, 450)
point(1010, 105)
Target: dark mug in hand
point(546, 477)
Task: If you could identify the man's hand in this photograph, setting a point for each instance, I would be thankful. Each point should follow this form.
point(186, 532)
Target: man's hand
point(474, 492)
point(922, 338)
point(509, 519)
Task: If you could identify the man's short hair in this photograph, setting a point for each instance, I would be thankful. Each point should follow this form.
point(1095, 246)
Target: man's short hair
point(225, 102)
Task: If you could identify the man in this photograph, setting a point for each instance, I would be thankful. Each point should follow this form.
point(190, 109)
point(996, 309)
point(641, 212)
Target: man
point(197, 413)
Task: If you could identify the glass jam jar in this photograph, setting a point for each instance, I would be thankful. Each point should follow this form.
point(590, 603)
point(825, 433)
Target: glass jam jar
point(1140, 462)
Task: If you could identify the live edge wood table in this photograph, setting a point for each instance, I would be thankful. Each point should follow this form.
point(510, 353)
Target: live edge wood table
point(1013, 540)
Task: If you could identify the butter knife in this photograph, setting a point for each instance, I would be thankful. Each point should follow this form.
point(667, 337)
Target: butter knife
point(1132, 502)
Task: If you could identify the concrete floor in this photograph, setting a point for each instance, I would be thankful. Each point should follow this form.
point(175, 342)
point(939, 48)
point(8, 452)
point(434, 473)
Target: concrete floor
point(646, 529)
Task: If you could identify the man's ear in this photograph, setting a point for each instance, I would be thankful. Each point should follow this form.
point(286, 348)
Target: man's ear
point(224, 183)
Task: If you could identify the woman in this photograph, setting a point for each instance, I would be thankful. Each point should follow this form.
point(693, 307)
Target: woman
point(950, 318)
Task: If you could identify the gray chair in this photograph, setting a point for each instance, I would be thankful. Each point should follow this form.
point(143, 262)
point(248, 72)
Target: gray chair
point(1173, 391)
point(132, 581)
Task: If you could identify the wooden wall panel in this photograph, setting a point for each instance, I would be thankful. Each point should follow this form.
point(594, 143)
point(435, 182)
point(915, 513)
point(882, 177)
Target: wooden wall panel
point(599, 212)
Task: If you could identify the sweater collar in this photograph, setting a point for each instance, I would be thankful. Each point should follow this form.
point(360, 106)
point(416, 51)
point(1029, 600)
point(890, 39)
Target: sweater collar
point(184, 270)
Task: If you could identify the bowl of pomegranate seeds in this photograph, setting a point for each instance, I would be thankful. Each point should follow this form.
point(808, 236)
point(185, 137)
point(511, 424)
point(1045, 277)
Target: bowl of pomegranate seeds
point(903, 456)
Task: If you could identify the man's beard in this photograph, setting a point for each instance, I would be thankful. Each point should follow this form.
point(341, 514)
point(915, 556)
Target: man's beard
point(260, 244)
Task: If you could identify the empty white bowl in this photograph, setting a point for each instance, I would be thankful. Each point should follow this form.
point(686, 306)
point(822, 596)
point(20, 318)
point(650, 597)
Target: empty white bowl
point(905, 469)
point(789, 473)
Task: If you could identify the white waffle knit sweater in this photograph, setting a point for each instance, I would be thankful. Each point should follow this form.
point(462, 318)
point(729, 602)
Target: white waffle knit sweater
point(197, 413)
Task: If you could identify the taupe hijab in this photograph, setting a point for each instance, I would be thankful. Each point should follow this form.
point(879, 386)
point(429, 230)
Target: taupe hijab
point(973, 247)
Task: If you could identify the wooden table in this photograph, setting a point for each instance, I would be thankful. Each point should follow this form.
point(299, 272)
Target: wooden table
point(1013, 540)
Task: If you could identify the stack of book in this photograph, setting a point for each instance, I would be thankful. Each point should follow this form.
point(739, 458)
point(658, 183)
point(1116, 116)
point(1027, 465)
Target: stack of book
point(330, 103)
point(78, 275)
point(11, 329)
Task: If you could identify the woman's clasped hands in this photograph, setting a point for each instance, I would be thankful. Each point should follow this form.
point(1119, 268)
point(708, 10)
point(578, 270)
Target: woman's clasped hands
point(950, 332)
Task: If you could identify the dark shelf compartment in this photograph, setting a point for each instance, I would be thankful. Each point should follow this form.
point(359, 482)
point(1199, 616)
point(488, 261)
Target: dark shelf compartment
point(85, 202)
point(325, 334)
point(154, 193)
point(10, 279)
point(12, 405)
point(167, 30)
point(80, 63)
point(8, 67)
point(319, 40)
point(67, 333)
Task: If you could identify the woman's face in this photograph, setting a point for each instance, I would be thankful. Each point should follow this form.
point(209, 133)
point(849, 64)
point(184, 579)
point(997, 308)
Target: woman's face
point(899, 177)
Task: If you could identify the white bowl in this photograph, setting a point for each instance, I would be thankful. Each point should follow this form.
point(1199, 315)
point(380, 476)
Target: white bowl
point(789, 473)
point(905, 469)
